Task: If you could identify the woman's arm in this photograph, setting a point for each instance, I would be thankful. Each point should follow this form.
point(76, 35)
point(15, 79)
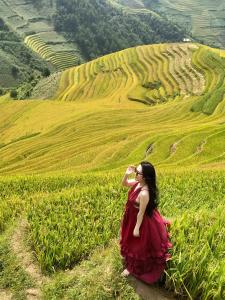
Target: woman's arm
point(144, 198)
point(125, 180)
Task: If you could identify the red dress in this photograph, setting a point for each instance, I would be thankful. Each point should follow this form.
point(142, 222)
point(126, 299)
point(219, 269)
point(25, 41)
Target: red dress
point(145, 256)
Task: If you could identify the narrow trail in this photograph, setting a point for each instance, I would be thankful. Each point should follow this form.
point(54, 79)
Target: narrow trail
point(27, 260)
point(149, 292)
point(5, 295)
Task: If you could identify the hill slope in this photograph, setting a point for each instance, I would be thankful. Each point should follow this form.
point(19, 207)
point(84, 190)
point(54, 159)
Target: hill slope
point(151, 75)
point(105, 26)
point(32, 21)
point(204, 18)
point(103, 129)
point(18, 63)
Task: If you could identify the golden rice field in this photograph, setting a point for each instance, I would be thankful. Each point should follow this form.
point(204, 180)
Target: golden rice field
point(60, 59)
point(62, 159)
point(96, 126)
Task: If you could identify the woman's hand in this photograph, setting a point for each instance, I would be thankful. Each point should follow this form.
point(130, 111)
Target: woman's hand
point(130, 170)
point(136, 232)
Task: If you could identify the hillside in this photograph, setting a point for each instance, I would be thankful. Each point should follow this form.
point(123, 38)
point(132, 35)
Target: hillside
point(32, 21)
point(68, 33)
point(62, 161)
point(148, 74)
point(64, 37)
point(18, 63)
point(103, 128)
point(100, 27)
point(204, 18)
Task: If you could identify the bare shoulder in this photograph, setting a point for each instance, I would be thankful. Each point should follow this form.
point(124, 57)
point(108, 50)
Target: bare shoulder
point(144, 194)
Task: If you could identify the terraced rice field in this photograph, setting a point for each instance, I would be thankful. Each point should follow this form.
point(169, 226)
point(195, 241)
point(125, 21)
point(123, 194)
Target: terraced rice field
point(192, 80)
point(61, 59)
point(149, 74)
point(71, 223)
point(33, 25)
point(204, 18)
point(62, 161)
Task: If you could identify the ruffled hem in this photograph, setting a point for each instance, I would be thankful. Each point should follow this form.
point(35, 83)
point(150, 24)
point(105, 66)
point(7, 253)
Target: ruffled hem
point(140, 266)
point(158, 258)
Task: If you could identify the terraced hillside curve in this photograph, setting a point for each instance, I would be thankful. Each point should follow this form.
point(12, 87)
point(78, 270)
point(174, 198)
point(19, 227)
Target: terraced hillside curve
point(62, 57)
point(149, 74)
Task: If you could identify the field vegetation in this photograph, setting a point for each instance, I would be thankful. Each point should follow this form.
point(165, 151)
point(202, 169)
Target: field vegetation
point(62, 160)
point(72, 219)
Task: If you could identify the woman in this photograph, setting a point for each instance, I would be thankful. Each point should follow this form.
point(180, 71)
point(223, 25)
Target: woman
point(144, 240)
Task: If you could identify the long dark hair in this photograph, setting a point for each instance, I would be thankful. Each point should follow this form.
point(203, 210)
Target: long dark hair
point(149, 176)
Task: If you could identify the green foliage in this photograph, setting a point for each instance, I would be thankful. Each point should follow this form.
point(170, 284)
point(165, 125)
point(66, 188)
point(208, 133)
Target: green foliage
point(3, 26)
point(46, 72)
point(201, 25)
point(96, 278)
point(100, 28)
point(8, 36)
point(86, 219)
point(197, 265)
point(19, 61)
point(14, 71)
point(152, 85)
point(13, 94)
point(213, 67)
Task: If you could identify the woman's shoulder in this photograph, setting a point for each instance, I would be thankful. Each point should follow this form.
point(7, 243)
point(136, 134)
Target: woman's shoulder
point(144, 193)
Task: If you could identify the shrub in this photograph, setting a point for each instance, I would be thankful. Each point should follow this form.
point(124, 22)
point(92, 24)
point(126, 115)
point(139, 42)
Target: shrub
point(13, 94)
point(46, 72)
point(14, 71)
point(152, 85)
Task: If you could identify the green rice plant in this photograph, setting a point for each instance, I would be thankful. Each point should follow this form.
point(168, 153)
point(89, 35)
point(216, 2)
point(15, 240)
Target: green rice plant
point(71, 216)
point(213, 66)
point(95, 278)
point(60, 59)
point(197, 265)
point(65, 229)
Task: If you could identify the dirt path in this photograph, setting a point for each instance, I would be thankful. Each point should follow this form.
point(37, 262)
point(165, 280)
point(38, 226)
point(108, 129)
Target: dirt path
point(27, 260)
point(5, 295)
point(148, 292)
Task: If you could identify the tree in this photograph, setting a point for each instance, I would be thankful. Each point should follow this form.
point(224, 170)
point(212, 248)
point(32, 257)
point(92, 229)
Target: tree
point(46, 72)
point(13, 94)
point(14, 71)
